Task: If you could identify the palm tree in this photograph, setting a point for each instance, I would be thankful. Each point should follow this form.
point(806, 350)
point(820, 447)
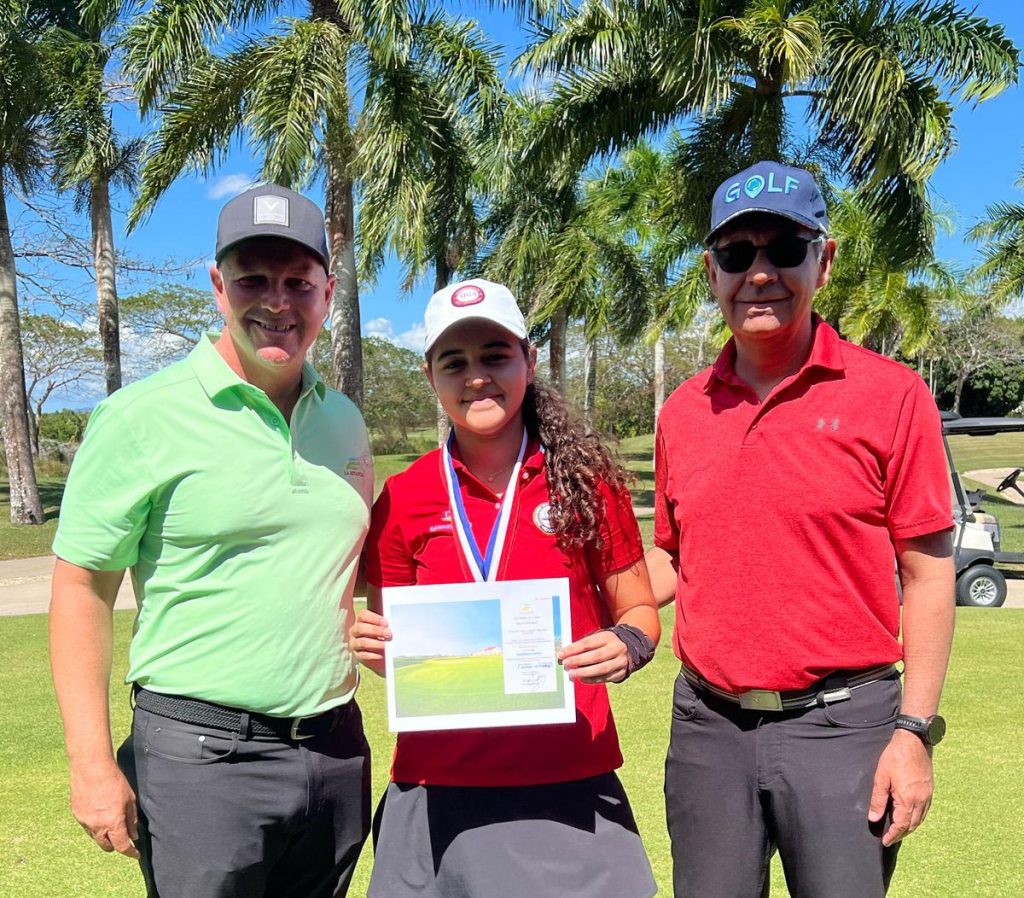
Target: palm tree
point(877, 82)
point(90, 159)
point(25, 31)
point(1003, 252)
point(428, 130)
point(286, 87)
point(874, 299)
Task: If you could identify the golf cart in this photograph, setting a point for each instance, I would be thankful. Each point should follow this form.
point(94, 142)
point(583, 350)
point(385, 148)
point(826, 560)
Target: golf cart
point(977, 537)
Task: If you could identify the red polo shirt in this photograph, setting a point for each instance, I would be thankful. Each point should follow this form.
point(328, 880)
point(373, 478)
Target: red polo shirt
point(411, 541)
point(783, 513)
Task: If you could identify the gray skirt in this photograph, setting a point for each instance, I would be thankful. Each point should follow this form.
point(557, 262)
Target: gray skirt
point(560, 840)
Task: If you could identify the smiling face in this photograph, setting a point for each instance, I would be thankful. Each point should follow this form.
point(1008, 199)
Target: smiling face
point(274, 296)
point(480, 373)
point(765, 302)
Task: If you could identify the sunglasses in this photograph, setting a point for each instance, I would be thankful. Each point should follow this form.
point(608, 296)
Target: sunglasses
point(787, 251)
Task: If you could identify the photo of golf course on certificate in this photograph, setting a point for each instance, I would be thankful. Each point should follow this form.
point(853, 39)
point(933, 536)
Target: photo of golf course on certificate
point(468, 655)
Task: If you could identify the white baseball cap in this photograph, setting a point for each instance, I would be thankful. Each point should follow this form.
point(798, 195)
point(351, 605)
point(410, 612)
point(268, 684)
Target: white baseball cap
point(475, 298)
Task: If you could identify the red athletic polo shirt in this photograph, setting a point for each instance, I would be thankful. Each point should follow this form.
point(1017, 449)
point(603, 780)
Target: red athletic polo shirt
point(783, 513)
point(411, 541)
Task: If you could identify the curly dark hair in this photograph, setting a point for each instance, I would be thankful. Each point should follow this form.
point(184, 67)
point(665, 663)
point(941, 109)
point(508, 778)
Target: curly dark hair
point(575, 462)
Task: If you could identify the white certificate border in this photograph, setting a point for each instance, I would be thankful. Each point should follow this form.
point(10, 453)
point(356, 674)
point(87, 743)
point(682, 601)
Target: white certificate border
point(502, 590)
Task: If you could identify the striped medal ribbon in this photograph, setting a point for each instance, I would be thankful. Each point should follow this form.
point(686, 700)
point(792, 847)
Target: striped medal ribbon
point(484, 567)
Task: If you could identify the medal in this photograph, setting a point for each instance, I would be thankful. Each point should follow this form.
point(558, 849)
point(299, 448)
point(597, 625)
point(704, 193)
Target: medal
point(484, 567)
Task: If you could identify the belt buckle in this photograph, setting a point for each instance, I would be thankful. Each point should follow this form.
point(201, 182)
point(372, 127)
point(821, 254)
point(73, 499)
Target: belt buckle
point(294, 733)
point(761, 700)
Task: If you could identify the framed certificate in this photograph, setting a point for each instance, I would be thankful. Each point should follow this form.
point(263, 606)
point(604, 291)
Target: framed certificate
point(467, 655)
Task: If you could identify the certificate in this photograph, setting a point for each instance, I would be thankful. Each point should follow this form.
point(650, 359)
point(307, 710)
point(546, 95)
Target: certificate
point(468, 655)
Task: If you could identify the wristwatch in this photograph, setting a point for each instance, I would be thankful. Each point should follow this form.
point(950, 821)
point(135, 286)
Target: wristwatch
point(930, 729)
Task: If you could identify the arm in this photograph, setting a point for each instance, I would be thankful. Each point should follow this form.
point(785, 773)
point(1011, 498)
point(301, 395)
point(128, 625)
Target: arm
point(369, 633)
point(81, 640)
point(663, 567)
point(904, 770)
point(602, 657)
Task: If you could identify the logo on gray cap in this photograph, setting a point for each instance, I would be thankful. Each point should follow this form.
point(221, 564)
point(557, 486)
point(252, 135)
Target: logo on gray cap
point(270, 210)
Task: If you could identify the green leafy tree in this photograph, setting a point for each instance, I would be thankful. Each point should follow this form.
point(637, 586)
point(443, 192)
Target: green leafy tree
point(66, 426)
point(880, 302)
point(1002, 234)
point(872, 83)
point(286, 87)
point(58, 354)
point(398, 401)
point(26, 46)
point(166, 322)
point(90, 159)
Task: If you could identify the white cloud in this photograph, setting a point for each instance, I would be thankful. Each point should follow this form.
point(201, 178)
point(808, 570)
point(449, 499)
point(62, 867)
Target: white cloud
point(229, 185)
point(379, 327)
point(409, 339)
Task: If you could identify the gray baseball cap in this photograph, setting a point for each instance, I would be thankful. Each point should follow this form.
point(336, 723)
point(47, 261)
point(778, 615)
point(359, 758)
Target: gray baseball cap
point(269, 210)
point(771, 188)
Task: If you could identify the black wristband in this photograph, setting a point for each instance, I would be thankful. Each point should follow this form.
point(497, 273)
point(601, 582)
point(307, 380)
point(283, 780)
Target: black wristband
point(639, 646)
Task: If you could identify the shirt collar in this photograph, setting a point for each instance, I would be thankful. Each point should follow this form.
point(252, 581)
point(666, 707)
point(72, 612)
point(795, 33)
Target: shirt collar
point(826, 353)
point(533, 458)
point(216, 376)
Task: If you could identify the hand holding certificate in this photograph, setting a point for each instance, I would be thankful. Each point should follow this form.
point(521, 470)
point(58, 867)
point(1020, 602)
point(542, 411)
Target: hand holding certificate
point(470, 655)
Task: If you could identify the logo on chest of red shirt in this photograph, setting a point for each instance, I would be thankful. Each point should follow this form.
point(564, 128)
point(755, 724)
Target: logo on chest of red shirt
point(542, 518)
point(446, 523)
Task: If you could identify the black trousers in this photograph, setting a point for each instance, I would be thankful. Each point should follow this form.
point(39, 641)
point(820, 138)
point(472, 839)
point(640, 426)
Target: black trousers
point(741, 784)
point(224, 817)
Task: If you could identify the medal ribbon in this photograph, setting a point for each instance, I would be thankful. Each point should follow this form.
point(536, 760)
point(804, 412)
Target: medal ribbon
point(483, 567)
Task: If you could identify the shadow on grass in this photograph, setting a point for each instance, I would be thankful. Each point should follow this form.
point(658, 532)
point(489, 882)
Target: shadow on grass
point(51, 492)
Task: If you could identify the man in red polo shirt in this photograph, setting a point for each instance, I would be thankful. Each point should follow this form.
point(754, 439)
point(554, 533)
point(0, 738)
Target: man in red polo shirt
point(791, 477)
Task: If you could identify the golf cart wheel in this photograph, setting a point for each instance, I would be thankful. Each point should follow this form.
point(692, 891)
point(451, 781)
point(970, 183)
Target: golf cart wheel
point(981, 586)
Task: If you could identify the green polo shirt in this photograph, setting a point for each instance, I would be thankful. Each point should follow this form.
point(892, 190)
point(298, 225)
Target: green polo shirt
point(242, 532)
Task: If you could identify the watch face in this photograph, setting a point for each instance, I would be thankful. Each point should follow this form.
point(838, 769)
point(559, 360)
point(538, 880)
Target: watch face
point(936, 729)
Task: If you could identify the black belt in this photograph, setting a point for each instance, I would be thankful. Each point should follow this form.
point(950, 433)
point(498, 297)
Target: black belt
point(834, 688)
point(247, 724)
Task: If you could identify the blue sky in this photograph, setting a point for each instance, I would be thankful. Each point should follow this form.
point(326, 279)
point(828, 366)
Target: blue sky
point(445, 628)
point(981, 171)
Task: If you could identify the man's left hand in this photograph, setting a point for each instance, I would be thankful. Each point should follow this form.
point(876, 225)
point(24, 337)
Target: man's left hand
point(904, 772)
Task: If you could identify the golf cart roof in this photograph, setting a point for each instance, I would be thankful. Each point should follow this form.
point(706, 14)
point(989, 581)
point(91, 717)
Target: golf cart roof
point(976, 427)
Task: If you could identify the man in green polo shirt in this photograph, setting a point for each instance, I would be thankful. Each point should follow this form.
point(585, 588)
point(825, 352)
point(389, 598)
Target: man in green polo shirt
point(236, 488)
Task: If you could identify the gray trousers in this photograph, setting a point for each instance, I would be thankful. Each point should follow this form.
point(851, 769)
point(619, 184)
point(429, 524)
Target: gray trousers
point(740, 785)
point(225, 817)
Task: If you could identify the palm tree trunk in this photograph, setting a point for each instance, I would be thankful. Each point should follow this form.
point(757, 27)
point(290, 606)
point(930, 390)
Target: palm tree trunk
point(106, 282)
point(442, 275)
point(556, 350)
point(25, 505)
point(339, 151)
point(590, 382)
point(346, 336)
point(659, 376)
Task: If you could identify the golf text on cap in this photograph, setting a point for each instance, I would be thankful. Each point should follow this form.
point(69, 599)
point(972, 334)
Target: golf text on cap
point(756, 184)
point(469, 295)
point(270, 210)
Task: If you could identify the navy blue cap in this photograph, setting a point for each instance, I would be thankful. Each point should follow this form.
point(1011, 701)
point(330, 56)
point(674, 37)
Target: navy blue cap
point(269, 210)
point(771, 188)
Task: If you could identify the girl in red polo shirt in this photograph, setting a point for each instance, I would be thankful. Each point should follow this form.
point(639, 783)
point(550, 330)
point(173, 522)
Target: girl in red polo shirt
point(520, 492)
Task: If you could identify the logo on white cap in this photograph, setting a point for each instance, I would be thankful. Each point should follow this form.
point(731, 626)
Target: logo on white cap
point(270, 210)
point(469, 295)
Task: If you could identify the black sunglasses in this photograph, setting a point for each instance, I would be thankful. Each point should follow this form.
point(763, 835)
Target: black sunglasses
point(787, 251)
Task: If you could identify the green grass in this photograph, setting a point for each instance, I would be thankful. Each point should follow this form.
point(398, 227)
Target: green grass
point(463, 686)
point(971, 844)
point(26, 541)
